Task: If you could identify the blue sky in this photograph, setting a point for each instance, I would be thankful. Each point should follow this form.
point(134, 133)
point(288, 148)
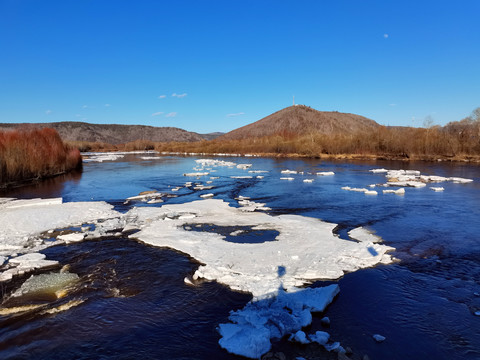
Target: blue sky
point(209, 66)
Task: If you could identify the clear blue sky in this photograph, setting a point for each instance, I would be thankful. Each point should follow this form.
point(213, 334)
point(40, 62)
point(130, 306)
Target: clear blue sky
point(216, 65)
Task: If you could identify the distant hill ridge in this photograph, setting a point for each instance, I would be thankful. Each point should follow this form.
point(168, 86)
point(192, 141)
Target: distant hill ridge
point(300, 120)
point(116, 134)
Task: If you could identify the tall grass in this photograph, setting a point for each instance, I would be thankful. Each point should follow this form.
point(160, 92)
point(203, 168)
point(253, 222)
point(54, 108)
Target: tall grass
point(28, 154)
point(456, 141)
point(392, 143)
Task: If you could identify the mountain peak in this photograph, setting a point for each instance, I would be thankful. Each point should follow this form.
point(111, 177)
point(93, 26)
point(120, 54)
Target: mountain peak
point(302, 119)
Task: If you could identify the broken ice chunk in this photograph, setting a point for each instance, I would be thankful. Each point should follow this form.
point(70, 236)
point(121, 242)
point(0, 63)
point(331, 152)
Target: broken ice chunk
point(72, 238)
point(300, 337)
point(400, 191)
point(320, 337)
point(363, 235)
point(289, 172)
point(196, 174)
point(51, 285)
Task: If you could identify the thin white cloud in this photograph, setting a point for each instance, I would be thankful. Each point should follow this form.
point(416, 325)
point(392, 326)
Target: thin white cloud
point(84, 106)
point(107, 105)
point(392, 104)
point(162, 96)
point(171, 114)
point(78, 115)
point(235, 114)
point(157, 113)
point(179, 95)
point(48, 112)
point(385, 36)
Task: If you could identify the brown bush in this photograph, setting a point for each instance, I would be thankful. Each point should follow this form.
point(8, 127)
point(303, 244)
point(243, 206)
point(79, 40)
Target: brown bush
point(34, 154)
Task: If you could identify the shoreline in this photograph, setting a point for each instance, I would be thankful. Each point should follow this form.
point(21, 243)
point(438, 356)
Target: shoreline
point(4, 187)
point(429, 158)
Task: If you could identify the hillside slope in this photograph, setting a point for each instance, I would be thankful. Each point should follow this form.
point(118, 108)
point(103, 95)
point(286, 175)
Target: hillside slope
point(299, 120)
point(113, 134)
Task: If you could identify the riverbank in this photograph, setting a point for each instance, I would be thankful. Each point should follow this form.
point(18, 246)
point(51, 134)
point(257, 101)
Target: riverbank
point(387, 144)
point(30, 155)
point(326, 157)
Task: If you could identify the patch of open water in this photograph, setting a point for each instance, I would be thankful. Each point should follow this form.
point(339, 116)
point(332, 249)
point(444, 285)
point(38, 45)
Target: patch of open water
point(424, 305)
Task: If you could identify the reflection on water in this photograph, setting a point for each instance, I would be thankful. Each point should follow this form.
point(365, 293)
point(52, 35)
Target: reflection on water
point(137, 303)
point(48, 188)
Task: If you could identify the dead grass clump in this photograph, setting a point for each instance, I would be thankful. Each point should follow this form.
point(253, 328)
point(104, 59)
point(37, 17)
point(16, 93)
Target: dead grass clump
point(139, 145)
point(33, 154)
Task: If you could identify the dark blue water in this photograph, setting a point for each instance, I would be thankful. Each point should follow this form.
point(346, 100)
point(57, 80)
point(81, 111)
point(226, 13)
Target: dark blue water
point(424, 304)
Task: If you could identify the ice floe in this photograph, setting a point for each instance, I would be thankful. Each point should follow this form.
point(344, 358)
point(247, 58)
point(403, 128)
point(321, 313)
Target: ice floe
point(14, 204)
point(289, 172)
point(26, 263)
point(71, 238)
point(206, 196)
point(413, 178)
point(306, 247)
point(308, 180)
point(46, 285)
point(196, 174)
point(203, 187)
point(325, 173)
point(287, 178)
point(251, 328)
point(379, 338)
point(244, 166)
point(20, 223)
point(400, 191)
point(348, 188)
point(415, 184)
point(249, 205)
point(101, 157)
point(437, 188)
point(22, 226)
point(458, 180)
point(214, 162)
point(147, 196)
point(150, 157)
point(364, 235)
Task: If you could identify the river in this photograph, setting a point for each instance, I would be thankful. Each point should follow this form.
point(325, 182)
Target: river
point(424, 304)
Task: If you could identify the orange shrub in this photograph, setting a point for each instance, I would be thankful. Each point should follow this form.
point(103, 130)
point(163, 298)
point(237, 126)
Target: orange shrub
point(33, 154)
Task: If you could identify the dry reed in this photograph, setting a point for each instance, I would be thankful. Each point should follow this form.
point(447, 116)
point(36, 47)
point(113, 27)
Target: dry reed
point(28, 154)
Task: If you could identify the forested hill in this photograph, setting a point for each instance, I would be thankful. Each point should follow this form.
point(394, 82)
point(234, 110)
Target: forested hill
point(115, 134)
point(301, 120)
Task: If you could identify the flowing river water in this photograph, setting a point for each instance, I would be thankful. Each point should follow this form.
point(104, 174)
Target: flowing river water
point(133, 301)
